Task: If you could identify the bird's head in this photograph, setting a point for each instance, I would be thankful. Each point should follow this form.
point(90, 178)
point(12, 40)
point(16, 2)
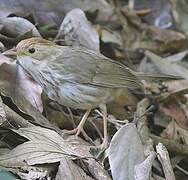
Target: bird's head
point(36, 48)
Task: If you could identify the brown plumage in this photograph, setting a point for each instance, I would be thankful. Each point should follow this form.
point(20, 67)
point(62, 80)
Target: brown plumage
point(75, 77)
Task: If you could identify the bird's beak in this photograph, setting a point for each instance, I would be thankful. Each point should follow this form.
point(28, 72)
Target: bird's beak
point(11, 53)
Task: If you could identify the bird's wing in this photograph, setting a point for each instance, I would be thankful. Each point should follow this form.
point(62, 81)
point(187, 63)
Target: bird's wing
point(87, 67)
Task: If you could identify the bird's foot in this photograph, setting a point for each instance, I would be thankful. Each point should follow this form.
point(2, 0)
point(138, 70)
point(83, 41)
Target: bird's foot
point(102, 146)
point(75, 131)
point(72, 132)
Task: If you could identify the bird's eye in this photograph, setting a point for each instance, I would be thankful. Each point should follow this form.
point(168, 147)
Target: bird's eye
point(31, 50)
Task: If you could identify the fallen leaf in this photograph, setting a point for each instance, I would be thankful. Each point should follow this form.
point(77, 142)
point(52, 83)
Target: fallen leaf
point(143, 36)
point(175, 132)
point(160, 12)
point(179, 12)
point(2, 47)
point(125, 152)
point(44, 146)
point(2, 113)
point(52, 12)
point(96, 169)
point(17, 26)
point(108, 36)
point(143, 170)
point(15, 83)
point(176, 110)
point(76, 30)
point(167, 67)
point(177, 87)
point(69, 170)
point(33, 174)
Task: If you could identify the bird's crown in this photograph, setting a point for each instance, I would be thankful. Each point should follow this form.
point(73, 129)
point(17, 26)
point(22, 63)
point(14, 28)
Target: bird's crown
point(26, 43)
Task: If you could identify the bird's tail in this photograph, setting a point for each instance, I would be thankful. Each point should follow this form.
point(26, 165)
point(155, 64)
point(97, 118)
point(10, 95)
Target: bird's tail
point(157, 77)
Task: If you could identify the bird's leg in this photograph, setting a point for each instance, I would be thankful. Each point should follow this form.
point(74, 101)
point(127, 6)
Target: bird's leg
point(71, 117)
point(79, 128)
point(104, 115)
point(82, 122)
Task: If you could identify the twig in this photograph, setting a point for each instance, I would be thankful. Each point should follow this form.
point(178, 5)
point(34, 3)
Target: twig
point(157, 177)
point(96, 128)
point(163, 157)
point(171, 145)
point(71, 117)
point(131, 4)
point(117, 123)
point(87, 138)
point(181, 169)
point(142, 119)
point(142, 108)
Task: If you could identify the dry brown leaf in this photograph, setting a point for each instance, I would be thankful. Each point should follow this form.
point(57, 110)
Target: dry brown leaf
point(142, 36)
point(177, 86)
point(47, 12)
point(175, 132)
point(175, 109)
point(122, 99)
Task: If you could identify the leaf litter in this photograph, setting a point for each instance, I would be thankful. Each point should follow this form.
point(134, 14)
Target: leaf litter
point(148, 37)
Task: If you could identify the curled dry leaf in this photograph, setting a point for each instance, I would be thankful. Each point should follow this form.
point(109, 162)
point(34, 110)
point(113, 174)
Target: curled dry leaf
point(76, 30)
point(17, 26)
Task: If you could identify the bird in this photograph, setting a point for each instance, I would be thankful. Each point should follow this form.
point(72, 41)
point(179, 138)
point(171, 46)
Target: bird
point(76, 77)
